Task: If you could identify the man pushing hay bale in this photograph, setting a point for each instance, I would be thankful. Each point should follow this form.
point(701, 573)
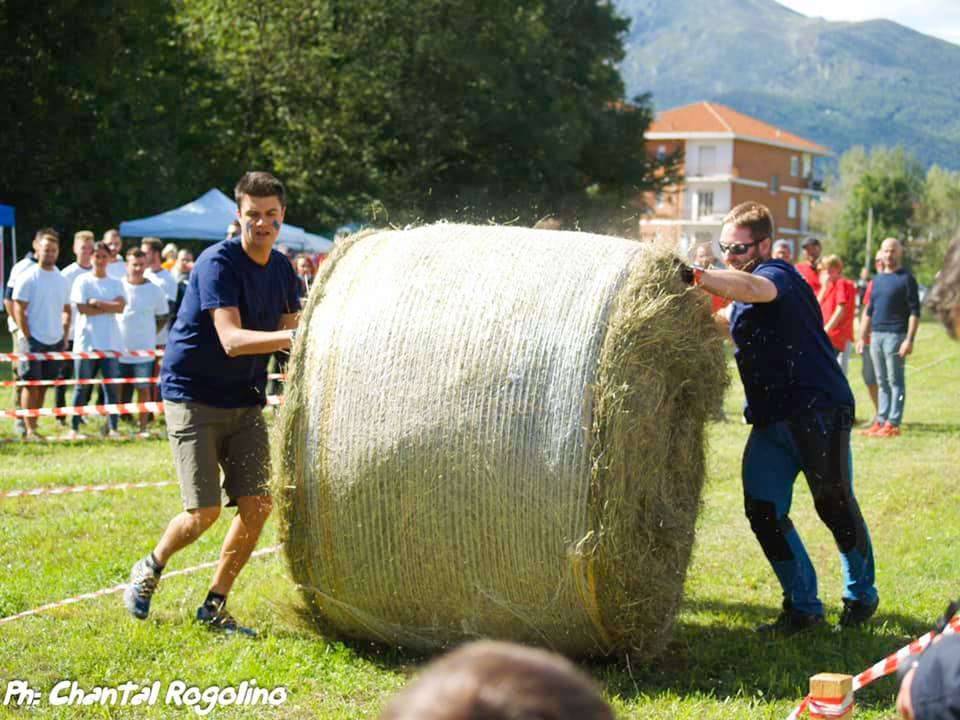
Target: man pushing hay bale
point(495, 431)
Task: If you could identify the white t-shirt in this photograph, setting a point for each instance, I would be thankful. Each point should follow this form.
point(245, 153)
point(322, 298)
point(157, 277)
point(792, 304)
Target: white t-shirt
point(24, 263)
point(168, 284)
point(117, 270)
point(138, 325)
point(71, 272)
point(46, 292)
point(96, 332)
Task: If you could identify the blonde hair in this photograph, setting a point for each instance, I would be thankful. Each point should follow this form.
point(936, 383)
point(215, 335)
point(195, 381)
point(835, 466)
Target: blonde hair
point(833, 261)
point(83, 235)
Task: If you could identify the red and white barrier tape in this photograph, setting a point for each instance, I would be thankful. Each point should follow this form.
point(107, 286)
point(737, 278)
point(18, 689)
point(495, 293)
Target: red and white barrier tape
point(835, 707)
point(91, 355)
point(110, 409)
point(73, 489)
point(120, 588)
point(100, 381)
point(81, 381)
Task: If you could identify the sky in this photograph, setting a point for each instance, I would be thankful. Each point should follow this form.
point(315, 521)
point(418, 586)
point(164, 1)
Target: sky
point(940, 18)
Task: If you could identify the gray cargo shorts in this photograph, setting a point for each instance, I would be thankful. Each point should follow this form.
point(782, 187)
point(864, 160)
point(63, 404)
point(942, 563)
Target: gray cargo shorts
point(205, 439)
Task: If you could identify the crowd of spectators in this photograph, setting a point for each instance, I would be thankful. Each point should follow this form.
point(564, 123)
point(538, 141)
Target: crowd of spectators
point(877, 317)
point(105, 300)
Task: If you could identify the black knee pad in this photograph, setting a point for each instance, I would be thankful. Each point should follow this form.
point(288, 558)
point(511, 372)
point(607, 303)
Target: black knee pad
point(840, 512)
point(771, 531)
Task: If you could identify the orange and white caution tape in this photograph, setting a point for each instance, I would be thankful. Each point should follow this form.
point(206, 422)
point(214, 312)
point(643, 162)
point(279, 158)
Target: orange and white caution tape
point(80, 381)
point(120, 588)
point(835, 707)
point(109, 409)
point(74, 489)
point(90, 355)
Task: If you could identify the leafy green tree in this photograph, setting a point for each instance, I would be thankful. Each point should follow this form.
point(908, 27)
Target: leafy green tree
point(938, 219)
point(891, 182)
point(101, 119)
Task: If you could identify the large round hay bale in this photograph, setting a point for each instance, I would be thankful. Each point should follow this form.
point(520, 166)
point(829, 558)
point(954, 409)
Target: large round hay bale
point(495, 431)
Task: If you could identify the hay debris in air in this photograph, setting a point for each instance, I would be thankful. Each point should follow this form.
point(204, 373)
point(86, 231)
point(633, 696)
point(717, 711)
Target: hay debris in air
point(497, 432)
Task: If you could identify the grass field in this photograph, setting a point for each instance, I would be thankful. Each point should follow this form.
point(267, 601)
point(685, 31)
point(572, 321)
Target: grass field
point(57, 547)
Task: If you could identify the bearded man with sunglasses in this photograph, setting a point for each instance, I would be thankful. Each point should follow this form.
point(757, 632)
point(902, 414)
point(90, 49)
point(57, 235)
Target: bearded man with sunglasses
point(801, 409)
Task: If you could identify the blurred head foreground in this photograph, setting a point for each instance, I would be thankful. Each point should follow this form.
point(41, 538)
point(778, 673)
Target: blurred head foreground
point(499, 681)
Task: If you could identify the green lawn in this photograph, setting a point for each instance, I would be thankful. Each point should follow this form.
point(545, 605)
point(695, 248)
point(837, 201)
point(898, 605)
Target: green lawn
point(56, 547)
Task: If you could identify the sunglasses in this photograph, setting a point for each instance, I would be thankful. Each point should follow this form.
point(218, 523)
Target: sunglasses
point(736, 248)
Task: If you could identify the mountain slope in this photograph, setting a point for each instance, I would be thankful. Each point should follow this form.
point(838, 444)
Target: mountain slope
point(837, 83)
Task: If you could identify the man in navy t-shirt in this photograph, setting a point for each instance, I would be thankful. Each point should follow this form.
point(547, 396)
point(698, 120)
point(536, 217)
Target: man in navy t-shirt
point(801, 409)
point(240, 305)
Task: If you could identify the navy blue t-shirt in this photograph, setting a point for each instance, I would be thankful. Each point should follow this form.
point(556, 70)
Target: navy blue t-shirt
point(894, 298)
point(195, 366)
point(786, 361)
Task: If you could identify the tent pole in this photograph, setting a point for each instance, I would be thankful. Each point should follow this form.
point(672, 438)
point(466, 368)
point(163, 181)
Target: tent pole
point(13, 247)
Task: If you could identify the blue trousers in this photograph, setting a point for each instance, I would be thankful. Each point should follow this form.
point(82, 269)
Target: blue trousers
point(891, 381)
point(85, 369)
point(817, 443)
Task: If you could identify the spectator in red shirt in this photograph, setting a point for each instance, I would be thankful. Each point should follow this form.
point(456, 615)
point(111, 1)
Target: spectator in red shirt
point(703, 257)
point(810, 270)
point(838, 298)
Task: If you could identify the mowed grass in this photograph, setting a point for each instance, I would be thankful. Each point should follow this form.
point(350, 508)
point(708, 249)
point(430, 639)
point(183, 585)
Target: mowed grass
point(56, 547)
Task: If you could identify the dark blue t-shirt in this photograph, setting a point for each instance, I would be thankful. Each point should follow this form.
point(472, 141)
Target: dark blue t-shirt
point(786, 361)
point(894, 298)
point(195, 366)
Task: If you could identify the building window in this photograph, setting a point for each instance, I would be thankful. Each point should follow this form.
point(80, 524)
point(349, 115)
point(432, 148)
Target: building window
point(775, 184)
point(807, 166)
point(662, 153)
point(792, 208)
point(794, 166)
point(704, 204)
point(659, 199)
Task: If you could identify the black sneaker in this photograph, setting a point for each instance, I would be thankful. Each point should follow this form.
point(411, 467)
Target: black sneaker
point(217, 618)
point(790, 622)
point(857, 612)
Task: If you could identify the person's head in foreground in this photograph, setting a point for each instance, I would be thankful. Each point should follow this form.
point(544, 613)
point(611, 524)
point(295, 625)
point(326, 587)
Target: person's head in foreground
point(931, 689)
point(782, 251)
point(499, 681)
point(891, 254)
point(746, 237)
point(944, 299)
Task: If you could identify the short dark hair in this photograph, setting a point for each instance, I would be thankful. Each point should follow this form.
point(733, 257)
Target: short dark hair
point(753, 216)
point(259, 184)
point(47, 233)
point(944, 299)
point(155, 244)
point(135, 252)
point(101, 245)
point(499, 681)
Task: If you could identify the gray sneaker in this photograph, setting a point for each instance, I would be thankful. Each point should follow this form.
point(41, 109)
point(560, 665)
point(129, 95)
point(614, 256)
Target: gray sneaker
point(217, 618)
point(143, 583)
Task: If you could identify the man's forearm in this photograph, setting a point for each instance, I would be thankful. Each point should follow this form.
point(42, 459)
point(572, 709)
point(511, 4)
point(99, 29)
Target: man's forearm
point(865, 327)
point(20, 317)
point(835, 318)
point(912, 326)
point(238, 341)
point(738, 285)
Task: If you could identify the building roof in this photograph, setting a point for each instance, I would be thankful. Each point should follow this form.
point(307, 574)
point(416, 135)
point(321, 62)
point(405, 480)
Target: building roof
point(705, 119)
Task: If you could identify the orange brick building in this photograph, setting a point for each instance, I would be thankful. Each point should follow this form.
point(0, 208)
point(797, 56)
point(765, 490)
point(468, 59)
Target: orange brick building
point(729, 158)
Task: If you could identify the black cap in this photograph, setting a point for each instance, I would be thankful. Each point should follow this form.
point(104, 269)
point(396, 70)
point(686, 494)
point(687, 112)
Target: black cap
point(935, 692)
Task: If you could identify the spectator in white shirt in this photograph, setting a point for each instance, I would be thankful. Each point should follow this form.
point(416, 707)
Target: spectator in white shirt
point(117, 269)
point(41, 304)
point(145, 313)
point(24, 263)
point(83, 251)
point(158, 274)
point(100, 300)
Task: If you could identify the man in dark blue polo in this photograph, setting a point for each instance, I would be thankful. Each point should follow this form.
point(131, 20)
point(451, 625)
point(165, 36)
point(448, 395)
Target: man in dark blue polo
point(241, 304)
point(801, 409)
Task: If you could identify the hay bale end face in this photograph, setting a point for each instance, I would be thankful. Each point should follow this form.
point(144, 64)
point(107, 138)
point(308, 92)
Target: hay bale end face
point(496, 432)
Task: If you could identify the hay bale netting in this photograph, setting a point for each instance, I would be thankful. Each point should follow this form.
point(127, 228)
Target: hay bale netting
point(495, 431)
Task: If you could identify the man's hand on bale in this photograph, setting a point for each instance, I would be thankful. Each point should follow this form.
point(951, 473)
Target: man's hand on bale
point(689, 274)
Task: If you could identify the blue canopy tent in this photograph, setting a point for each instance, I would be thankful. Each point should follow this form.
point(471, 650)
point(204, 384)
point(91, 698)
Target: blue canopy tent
point(207, 218)
point(8, 219)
